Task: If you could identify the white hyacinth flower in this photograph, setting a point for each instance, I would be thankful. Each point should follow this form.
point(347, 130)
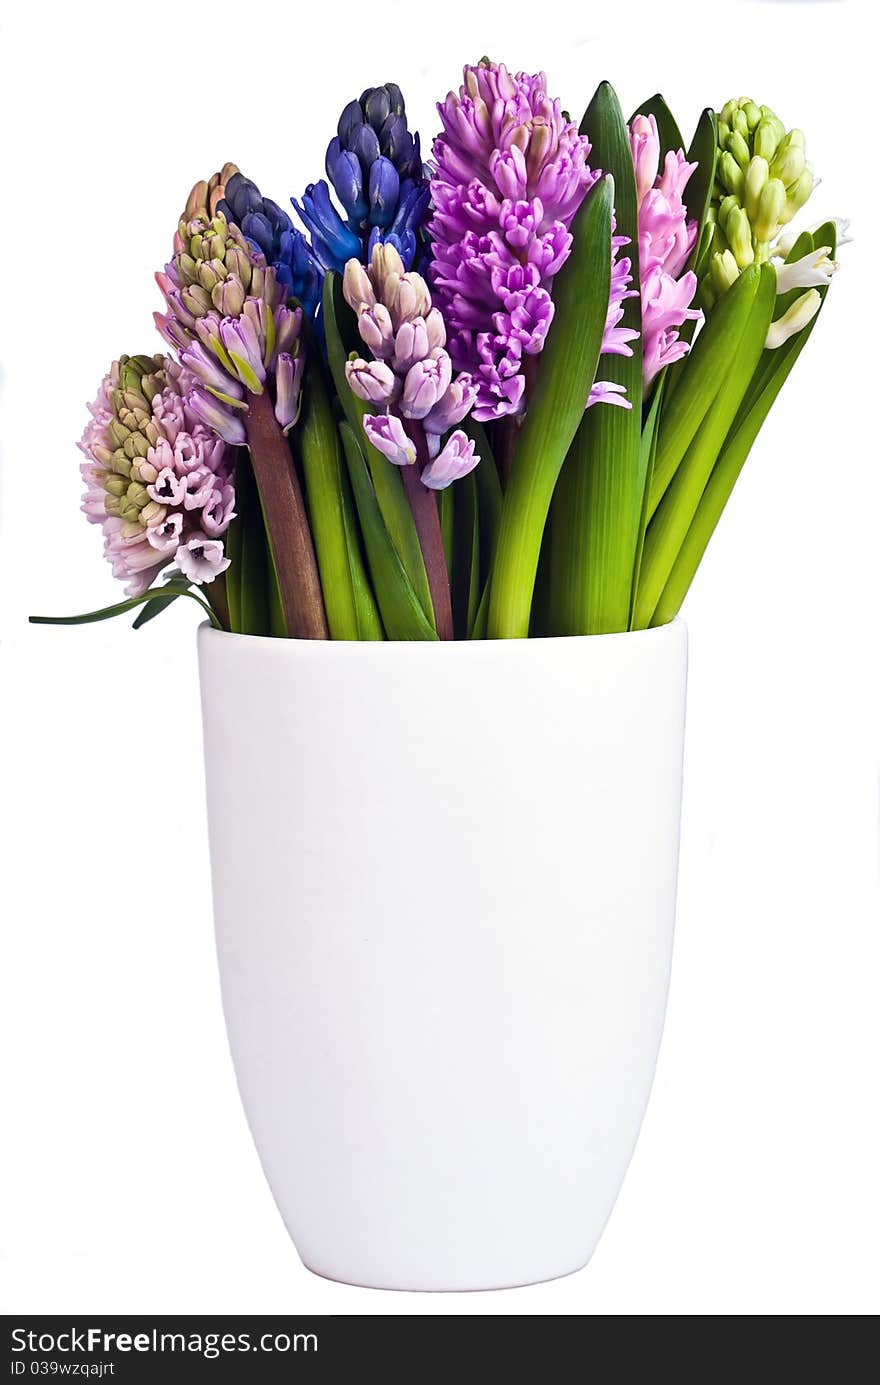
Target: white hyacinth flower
point(812, 271)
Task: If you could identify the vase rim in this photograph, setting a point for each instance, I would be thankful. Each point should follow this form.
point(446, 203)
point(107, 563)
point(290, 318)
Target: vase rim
point(673, 629)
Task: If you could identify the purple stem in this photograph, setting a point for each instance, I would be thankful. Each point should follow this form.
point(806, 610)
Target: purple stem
point(423, 503)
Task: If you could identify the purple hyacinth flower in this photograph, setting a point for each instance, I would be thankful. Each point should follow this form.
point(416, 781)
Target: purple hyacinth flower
point(241, 340)
point(225, 422)
point(388, 435)
point(372, 381)
point(288, 379)
point(425, 384)
point(456, 460)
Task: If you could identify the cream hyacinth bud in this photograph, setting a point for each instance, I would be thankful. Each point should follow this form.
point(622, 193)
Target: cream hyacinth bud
point(801, 312)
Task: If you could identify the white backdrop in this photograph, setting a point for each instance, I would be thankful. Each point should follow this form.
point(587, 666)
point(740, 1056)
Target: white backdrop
point(129, 1181)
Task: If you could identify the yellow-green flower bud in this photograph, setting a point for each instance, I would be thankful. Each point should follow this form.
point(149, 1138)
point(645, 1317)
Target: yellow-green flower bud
point(117, 431)
point(739, 235)
point(730, 173)
point(724, 272)
point(789, 163)
point(756, 178)
point(797, 196)
point(771, 205)
point(752, 113)
point(766, 140)
point(739, 148)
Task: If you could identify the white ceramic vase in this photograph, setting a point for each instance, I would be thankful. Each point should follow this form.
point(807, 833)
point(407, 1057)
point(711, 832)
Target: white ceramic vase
point(444, 888)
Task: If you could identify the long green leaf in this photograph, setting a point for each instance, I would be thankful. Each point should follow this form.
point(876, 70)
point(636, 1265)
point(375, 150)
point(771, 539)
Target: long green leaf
point(673, 517)
point(369, 621)
point(701, 375)
point(317, 441)
point(163, 595)
point(598, 501)
point(254, 607)
point(735, 451)
point(566, 373)
point(489, 493)
point(647, 452)
point(464, 567)
point(386, 480)
point(401, 610)
point(697, 196)
point(176, 584)
point(667, 128)
point(233, 540)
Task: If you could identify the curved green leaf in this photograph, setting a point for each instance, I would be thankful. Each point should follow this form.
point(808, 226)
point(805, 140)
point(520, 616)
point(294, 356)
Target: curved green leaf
point(566, 373)
point(386, 481)
point(675, 513)
point(598, 501)
point(401, 611)
point(667, 128)
point(162, 595)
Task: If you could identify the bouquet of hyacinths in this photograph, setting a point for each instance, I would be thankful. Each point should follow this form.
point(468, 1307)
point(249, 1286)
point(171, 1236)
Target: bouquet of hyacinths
point(504, 392)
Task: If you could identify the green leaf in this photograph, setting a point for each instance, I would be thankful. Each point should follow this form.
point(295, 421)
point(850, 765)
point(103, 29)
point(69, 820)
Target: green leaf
point(369, 622)
point(700, 376)
point(401, 610)
point(647, 452)
point(697, 196)
point(736, 449)
point(565, 377)
point(667, 128)
point(163, 595)
point(386, 481)
point(770, 359)
point(673, 517)
point(254, 560)
point(317, 442)
point(489, 493)
point(598, 501)
point(465, 554)
point(480, 627)
point(177, 585)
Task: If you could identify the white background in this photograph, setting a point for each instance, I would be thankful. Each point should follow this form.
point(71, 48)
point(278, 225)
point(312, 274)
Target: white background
point(129, 1180)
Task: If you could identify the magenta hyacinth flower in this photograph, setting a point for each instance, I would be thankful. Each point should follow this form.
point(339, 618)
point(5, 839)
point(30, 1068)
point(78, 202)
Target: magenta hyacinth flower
point(666, 238)
point(511, 172)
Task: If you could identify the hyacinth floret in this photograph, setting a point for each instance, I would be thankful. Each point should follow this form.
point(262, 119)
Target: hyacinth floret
point(158, 481)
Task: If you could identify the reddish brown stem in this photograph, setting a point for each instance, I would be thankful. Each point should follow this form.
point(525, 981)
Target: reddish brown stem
point(423, 503)
point(286, 522)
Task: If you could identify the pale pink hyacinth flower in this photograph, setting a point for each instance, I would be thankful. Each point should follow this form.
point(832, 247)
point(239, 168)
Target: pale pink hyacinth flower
point(666, 238)
point(171, 504)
